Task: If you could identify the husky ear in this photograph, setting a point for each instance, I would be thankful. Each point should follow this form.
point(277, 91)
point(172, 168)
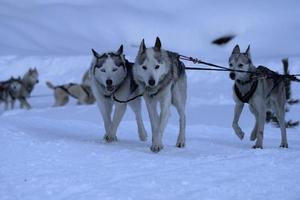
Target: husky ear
point(236, 49)
point(248, 52)
point(95, 53)
point(120, 50)
point(142, 47)
point(157, 45)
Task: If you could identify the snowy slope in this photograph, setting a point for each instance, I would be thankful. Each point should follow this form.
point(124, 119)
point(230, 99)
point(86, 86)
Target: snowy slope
point(58, 153)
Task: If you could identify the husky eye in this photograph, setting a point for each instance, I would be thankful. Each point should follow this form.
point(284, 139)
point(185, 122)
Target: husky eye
point(144, 67)
point(115, 69)
point(157, 66)
point(241, 65)
point(103, 70)
point(230, 64)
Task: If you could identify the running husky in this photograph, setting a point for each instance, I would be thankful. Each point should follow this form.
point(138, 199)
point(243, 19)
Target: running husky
point(162, 78)
point(260, 94)
point(82, 93)
point(9, 90)
point(111, 77)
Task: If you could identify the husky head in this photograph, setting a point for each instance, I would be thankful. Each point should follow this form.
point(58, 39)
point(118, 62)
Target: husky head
point(151, 64)
point(109, 69)
point(240, 61)
point(31, 76)
point(15, 84)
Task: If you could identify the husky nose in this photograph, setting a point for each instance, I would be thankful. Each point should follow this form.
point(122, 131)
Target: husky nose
point(151, 82)
point(232, 75)
point(109, 82)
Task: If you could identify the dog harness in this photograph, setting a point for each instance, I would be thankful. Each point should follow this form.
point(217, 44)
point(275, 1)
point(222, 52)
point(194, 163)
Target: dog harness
point(246, 97)
point(66, 89)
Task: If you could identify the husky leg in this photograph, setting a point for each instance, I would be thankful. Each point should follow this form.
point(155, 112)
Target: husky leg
point(120, 109)
point(136, 107)
point(179, 102)
point(13, 104)
point(261, 108)
point(237, 113)
point(182, 124)
point(255, 129)
point(5, 105)
point(165, 104)
point(25, 103)
point(279, 110)
point(154, 119)
point(105, 106)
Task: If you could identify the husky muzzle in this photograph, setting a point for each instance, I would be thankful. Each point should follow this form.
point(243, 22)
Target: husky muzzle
point(232, 75)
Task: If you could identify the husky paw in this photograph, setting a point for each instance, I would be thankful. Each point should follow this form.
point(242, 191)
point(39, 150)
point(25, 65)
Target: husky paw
point(240, 134)
point(110, 138)
point(257, 146)
point(284, 145)
point(180, 143)
point(156, 147)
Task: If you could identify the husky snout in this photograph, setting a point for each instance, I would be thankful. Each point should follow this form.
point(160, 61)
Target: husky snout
point(151, 82)
point(109, 82)
point(232, 75)
point(109, 85)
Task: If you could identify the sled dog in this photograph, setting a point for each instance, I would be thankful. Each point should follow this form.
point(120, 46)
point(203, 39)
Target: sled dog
point(83, 93)
point(28, 82)
point(111, 77)
point(261, 94)
point(162, 78)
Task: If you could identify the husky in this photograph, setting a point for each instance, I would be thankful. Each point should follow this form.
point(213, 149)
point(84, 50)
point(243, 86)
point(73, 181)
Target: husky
point(111, 78)
point(83, 93)
point(9, 91)
point(162, 78)
point(261, 94)
point(29, 80)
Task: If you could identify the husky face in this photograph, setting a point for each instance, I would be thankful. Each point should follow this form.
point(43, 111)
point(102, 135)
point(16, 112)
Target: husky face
point(110, 68)
point(240, 61)
point(32, 76)
point(150, 65)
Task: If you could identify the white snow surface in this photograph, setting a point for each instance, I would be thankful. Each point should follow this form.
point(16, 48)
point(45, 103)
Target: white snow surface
point(58, 153)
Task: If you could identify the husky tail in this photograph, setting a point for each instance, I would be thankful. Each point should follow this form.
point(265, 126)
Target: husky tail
point(50, 85)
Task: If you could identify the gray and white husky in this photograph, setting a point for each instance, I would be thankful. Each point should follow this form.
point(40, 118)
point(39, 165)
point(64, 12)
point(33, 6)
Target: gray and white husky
point(111, 77)
point(162, 78)
point(29, 80)
point(83, 93)
point(260, 93)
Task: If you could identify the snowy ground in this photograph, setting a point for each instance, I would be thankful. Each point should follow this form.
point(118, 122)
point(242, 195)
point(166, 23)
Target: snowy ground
point(58, 153)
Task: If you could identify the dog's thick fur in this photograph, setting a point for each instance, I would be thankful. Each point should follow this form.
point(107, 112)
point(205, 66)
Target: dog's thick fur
point(9, 91)
point(269, 94)
point(81, 92)
point(111, 76)
point(29, 80)
point(162, 78)
point(86, 79)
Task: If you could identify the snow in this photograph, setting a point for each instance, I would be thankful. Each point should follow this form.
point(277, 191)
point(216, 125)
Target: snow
point(58, 153)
